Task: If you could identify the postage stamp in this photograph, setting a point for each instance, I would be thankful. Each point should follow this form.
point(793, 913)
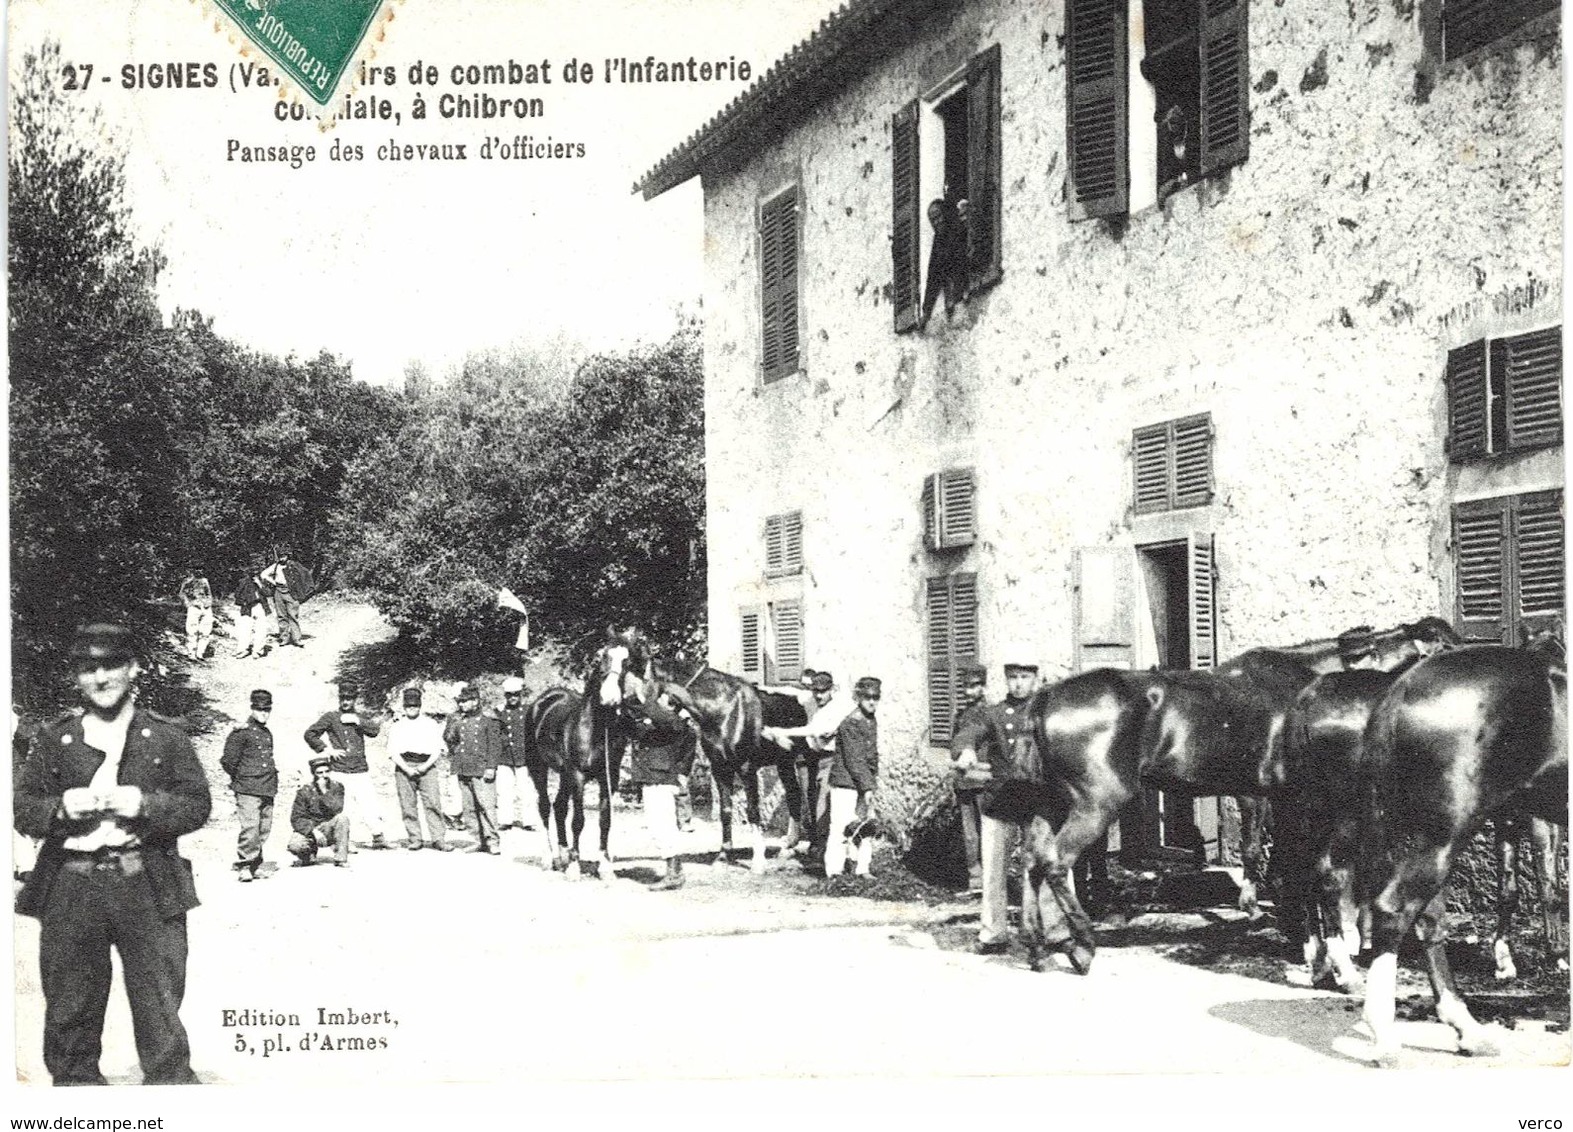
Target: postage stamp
point(313, 42)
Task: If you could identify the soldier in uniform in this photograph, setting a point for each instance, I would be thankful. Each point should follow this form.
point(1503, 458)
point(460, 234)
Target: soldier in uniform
point(317, 818)
point(1001, 737)
point(970, 783)
point(254, 777)
point(515, 793)
point(663, 749)
point(110, 792)
point(346, 731)
point(474, 744)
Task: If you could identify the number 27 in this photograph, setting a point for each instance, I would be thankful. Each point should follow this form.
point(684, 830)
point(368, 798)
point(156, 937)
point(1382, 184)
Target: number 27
point(71, 73)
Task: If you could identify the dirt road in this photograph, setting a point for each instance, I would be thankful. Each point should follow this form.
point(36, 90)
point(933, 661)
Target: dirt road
point(420, 967)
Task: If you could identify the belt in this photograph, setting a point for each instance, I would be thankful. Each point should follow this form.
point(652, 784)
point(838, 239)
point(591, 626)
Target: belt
point(126, 862)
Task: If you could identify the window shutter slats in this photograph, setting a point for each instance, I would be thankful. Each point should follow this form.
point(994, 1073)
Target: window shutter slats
point(1466, 401)
point(1096, 108)
point(784, 544)
point(786, 284)
point(941, 679)
point(1204, 631)
point(964, 618)
point(786, 619)
point(1193, 465)
point(1540, 551)
point(1534, 389)
point(1224, 43)
point(985, 205)
point(753, 645)
point(1479, 533)
point(1172, 464)
point(905, 234)
point(778, 286)
point(958, 522)
point(1150, 457)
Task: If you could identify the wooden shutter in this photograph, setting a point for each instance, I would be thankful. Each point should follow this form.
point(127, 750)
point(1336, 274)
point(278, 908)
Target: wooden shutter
point(1224, 42)
point(905, 233)
point(949, 509)
point(1096, 106)
point(778, 285)
point(1533, 371)
point(1470, 24)
point(784, 544)
point(786, 622)
point(1104, 615)
point(1150, 467)
point(1203, 606)
point(952, 642)
point(1539, 559)
point(1480, 535)
point(1193, 461)
point(1468, 432)
point(985, 206)
point(753, 642)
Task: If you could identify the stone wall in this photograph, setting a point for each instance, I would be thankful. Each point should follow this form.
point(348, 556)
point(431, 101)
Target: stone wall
point(1390, 208)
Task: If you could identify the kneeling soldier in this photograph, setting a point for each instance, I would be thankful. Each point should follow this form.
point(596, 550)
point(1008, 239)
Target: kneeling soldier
point(317, 818)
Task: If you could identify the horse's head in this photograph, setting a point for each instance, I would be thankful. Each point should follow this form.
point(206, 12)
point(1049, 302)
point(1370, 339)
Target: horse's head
point(620, 670)
point(1398, 647)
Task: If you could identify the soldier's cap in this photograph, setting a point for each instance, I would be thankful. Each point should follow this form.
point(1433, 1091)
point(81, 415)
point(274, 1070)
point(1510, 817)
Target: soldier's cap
point(102, 641)
point(348, 689)
point(261, 700)
point(512, 686)
point(822, 682)
point(1357, 642)
point(973, 674)
point(867, 686)
point(412, 697)
point(316, 761)
point(1021, 670)
point(467, 692)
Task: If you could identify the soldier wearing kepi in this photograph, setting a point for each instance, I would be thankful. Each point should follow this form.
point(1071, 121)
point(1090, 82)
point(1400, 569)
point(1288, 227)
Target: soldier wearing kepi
point(346, 731)
point(474, 744)
point(515, 793)
point(254, 777)
point(970, 783)
point(1000, 737)
point(317, 818)
point(111, 792)
point(854, 774)
point(415, 745)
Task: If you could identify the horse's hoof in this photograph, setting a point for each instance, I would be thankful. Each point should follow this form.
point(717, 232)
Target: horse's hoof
point(574, 871)
point(1080, 956)
point(559, 864)
point(1478, 1044)
point(1385, 1059)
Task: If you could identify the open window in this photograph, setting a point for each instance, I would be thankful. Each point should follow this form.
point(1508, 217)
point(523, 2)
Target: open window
point(945, 145)
point(1179, 115)
point(772, 641)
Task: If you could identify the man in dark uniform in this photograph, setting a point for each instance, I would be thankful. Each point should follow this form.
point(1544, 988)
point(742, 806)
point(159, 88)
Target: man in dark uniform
point(251, 618)
point(254, 777)
point(317, 819)
point(346, 731)
point(1001, 738)
point(111, 792)
point(474, 744)
point(513, 780)
point(970, 783)
point(663, 750)
point(854, 774)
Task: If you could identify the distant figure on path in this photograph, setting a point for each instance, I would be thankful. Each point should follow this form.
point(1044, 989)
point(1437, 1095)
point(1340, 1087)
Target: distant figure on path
point(474, 744)
point(416, 747)
point(346, 731)
point(111, 792)
point(292, 584)
point(198, 598)
point(317, 818)
point(251, 622)
point(254, 777)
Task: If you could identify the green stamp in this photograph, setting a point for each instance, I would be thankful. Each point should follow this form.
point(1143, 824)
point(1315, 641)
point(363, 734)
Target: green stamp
point(312, 41)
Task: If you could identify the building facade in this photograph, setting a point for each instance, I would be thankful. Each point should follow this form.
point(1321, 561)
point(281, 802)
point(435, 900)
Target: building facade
point(1261, 338)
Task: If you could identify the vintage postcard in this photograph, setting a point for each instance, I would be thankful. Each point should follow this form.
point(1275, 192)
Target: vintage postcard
point(953, 552)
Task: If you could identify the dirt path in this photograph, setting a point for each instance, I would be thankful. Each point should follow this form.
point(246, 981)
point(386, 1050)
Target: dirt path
point(427, 968)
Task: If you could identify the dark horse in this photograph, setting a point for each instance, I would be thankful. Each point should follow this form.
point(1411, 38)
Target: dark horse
point(580, 736)
point(1462, 737)
point(1102, 733)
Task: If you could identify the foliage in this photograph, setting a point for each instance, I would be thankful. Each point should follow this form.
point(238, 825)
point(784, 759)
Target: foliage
point(587, 503)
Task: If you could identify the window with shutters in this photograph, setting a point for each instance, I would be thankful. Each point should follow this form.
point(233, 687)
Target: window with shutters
point(1504, 395)
point(1172, 464)
point(772, 641)
point(1192, 75)
point(784, 544)
point(952, 603)
point(778, 285)
point(753, 642)
point(945, 146)
point(1468, 25)
point(949, 509)
point(1509, 563)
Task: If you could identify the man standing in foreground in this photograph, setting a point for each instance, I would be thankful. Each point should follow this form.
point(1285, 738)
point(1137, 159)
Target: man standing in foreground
point(474, 743)
point(111, 793)
point(346, 731)
point(254, 777)
point(819, 733)
point(854, 774)
point(1002, 736)
point(317, 818)
point(513, 781)
point(970, 783)
point(415, 745)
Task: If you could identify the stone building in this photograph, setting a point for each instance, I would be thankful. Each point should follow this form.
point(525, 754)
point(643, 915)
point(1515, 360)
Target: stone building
point(1260, 338)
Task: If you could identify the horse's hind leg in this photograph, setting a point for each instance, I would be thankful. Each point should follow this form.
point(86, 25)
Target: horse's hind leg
point(1549, 841)
point(543, 804)
point(1064, 924)
point(1473, 1038)
point(1253, 820)
point(574, 780)
point(721, 775)
point(755, 819)
point(1507, 897)
point(609, 791)
point(786, 770)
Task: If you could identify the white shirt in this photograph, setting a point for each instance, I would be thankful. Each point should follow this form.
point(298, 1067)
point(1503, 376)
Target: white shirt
point(108, 736)
point(419, 736)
